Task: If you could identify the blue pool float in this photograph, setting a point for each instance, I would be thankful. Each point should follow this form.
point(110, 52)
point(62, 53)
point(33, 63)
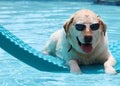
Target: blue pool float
point(25, 53)
point(22, 51)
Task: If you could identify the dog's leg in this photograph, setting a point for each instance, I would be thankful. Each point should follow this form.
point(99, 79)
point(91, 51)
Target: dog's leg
point(108, 65)
point(74, 67)
point(50, 46)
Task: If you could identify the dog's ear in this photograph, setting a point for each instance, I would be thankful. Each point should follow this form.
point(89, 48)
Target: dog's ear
point(103, 25)
point(67, 24)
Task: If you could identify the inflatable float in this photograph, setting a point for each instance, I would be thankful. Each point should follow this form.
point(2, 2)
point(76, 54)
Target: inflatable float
point(25, 53)
point(22, 51)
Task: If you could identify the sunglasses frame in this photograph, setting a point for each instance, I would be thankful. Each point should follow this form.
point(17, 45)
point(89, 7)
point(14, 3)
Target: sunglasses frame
point(82, 27)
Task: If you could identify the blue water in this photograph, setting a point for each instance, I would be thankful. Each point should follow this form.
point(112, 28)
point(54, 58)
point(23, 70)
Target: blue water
point(34, 22)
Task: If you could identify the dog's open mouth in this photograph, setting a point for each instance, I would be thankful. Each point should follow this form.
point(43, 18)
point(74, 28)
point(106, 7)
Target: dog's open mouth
point(86, 47)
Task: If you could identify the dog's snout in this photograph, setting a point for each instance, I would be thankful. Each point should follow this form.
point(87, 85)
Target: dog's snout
point(88, 39)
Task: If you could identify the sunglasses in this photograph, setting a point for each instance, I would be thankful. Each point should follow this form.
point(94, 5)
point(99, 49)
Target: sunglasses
point(81, 27)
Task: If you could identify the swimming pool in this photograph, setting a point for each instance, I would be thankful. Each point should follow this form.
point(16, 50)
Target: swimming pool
point(34, 22)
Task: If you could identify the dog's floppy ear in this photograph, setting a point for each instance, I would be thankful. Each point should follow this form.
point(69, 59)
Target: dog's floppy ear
point(67, 24)
point(103, 25)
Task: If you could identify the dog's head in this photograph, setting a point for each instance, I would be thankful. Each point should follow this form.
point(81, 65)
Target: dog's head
point(84, 29)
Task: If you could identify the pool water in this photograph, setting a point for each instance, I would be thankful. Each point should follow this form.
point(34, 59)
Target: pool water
point(34, 22)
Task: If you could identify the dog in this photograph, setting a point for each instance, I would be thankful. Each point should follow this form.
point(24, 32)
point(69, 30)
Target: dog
point(82, 41)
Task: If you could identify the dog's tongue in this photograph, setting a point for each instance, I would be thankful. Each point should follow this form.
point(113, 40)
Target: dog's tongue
point(87, 48)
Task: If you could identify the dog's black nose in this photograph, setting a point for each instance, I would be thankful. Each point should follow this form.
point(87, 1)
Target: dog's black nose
point(88, 39)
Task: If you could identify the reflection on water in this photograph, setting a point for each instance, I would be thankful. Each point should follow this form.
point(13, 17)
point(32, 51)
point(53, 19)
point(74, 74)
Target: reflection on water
point(33, 22)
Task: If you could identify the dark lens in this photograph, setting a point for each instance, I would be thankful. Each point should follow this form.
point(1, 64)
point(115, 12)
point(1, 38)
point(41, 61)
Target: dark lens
point(94, 26)
point(80, 27)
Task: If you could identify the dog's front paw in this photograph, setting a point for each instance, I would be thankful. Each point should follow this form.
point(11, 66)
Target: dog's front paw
point(110, 70)
point(74, 67)
point(75, 70)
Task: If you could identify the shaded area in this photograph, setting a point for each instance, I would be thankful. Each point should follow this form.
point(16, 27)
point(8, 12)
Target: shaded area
point(108, 2)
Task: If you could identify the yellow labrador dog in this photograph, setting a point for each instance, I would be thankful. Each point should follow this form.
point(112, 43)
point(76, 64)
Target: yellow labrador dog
point(83, 40)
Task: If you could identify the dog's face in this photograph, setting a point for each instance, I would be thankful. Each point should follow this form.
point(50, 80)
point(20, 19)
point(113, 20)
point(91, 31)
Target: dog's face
point(84, 30)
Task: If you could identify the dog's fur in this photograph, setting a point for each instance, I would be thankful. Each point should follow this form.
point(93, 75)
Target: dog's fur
point(63, 43)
